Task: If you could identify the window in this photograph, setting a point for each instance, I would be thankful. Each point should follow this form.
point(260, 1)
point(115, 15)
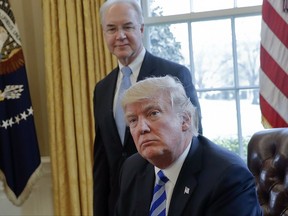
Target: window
point(219, 41)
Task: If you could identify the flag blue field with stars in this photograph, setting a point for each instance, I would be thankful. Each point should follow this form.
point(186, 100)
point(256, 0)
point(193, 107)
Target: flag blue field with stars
point(20, 162)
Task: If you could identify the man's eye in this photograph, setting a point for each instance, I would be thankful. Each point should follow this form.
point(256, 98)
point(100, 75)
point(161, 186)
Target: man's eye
point(154, 114)
point(128, 28)
point(132, 122)
point(111, 30)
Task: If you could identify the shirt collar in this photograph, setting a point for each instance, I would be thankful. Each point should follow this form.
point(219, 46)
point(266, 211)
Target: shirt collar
point(136, 64)
point(172, 172)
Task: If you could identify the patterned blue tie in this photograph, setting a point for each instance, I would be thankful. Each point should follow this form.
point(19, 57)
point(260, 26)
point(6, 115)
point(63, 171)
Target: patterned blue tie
point(119, 113)
point(158, 204)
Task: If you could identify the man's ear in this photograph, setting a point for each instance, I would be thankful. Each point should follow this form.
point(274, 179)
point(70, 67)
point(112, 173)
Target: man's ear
point(186, 121)
point(142, 28)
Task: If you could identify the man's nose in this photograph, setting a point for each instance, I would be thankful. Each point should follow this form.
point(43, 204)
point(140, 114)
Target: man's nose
point(121, 34)
point(143, 126)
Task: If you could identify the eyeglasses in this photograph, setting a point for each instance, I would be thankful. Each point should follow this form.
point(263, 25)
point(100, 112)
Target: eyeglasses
point(110, 30)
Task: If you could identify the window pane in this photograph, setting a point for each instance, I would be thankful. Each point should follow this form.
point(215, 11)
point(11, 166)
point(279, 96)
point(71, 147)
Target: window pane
point(170, 42)
point(212, 53)
point(248, 49)
point(250, 117)
point(219, 116)
point(207, 5)
point(246, 3)
point(250, 112)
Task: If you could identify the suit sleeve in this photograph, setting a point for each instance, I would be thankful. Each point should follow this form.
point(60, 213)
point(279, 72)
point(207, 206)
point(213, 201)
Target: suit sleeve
point(234, 194)
point(100, 173)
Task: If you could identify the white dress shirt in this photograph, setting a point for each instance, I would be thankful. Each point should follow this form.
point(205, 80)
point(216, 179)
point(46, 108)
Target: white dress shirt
point(172, 173)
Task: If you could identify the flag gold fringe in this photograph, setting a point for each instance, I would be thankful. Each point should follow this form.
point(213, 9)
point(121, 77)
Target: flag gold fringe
point(18, 201)
point(265, 123)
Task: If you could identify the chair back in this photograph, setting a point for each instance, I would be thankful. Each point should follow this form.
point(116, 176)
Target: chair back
point(267, 159)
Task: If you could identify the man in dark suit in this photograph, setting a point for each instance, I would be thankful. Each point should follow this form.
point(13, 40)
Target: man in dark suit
point(123, 27)
point(203, 178)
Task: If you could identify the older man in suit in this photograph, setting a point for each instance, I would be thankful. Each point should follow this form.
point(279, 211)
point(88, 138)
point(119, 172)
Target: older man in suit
point(123, 27)
point(196, 176)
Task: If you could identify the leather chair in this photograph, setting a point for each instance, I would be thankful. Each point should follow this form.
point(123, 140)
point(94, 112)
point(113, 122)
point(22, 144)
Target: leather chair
point(268, 161)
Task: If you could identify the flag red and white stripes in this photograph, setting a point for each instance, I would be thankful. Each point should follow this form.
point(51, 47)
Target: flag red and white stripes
point(274, 64)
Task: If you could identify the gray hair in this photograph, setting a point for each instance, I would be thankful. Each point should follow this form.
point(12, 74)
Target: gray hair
point(153, 86)
point(134, 3)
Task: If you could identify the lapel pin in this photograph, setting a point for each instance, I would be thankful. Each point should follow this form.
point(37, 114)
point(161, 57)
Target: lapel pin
point(186, 190)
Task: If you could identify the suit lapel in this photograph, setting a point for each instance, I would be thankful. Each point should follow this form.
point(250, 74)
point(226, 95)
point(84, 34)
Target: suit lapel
point(145, 185)
point(109, 118)
point(186, 182)
point(147, 67)
point(110, 92)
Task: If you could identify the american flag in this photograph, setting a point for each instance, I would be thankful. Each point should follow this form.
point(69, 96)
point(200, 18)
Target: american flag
point(274, 64)
point(19, 154)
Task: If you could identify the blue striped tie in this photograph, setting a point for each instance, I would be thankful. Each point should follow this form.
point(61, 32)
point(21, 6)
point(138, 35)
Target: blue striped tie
point(119, 113)
point(158, 204)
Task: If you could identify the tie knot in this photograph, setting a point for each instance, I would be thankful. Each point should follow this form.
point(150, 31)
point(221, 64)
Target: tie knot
point(162, 179)
point(126, 71)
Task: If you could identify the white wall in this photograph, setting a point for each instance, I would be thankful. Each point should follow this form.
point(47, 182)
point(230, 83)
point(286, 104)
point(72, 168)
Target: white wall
point(40, 200)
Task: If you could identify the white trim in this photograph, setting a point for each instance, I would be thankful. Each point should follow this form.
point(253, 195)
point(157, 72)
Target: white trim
point(217, 14)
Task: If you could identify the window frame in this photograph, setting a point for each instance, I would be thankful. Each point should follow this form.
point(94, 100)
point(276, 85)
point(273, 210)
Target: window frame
point(188, 18)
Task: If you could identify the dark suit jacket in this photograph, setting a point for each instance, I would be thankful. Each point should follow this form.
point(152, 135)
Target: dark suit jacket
point(219, 185)
point(109, 153)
